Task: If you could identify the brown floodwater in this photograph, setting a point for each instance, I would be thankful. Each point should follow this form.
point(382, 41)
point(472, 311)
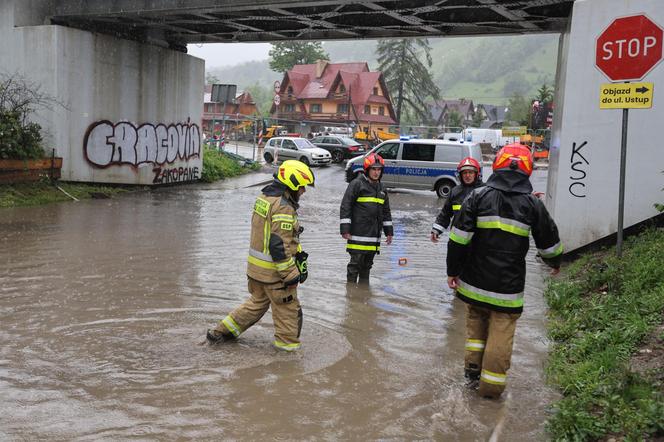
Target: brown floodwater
point(104, 306)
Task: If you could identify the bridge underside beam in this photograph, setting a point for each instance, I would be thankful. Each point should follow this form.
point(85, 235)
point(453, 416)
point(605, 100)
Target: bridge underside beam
point(175, 23)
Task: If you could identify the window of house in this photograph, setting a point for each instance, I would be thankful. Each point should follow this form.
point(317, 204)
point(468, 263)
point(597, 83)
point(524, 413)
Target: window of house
point(289, 90)
point(381, 110)
point(316, 108)
point(342, 108)
point(342, 89)
point(375, 91)
point(367, 109)
point(289, 108)
point(418, 152)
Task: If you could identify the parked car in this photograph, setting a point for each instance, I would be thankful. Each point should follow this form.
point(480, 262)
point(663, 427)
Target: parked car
point(293, 148)
point(426, 164)
point(339, 146)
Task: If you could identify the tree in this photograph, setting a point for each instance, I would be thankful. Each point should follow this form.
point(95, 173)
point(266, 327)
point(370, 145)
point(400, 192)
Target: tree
point(210, 78)
point(408, 78)
point(544, 94)
point(262, 97)
point(478, 118)
point(455, 119)
point(285, 55)
point(518, 110)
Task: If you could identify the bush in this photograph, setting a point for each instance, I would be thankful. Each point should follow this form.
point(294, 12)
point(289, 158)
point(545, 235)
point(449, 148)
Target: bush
point(217, 166)
point(17, 141)
point(20, 139)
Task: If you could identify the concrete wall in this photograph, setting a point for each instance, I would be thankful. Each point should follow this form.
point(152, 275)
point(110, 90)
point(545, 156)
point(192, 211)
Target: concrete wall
point(131, 113)
point(584, 168)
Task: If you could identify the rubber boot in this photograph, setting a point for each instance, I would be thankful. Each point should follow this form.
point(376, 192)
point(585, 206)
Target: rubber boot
point(472, 376)
point(215, 336)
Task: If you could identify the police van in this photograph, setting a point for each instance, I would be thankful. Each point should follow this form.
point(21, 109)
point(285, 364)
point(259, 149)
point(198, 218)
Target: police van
point(423, 164)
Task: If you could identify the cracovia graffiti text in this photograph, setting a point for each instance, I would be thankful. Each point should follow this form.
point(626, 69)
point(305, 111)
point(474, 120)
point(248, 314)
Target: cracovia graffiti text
point(108, 144)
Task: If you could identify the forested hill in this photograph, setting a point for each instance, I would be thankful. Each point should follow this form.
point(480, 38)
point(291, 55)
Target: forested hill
point(484, 69)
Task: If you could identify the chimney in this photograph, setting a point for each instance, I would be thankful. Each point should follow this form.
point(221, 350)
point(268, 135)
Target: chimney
point(320, 67)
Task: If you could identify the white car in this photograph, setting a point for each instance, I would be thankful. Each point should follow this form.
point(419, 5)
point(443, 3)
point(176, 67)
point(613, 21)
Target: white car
point(291, 148)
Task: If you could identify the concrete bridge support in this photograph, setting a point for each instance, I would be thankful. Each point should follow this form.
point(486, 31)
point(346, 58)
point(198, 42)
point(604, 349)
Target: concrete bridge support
point(585, 156)
point(130, 112)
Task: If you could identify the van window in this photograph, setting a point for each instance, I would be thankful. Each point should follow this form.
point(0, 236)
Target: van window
point(450, 154)
point(418, 152)
point(388, 151)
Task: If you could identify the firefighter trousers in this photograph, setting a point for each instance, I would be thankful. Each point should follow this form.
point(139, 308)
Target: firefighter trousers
point(489, 340)
point(359, 266)
point(286, 313)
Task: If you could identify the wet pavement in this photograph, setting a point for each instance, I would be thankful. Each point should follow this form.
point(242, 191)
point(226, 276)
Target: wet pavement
point(104, 305)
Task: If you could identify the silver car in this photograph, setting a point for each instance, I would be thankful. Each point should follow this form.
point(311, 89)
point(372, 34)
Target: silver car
point(419, 164)
point(291, 148)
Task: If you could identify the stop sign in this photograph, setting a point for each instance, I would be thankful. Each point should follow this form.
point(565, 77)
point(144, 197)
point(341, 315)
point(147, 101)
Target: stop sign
point(629, 48)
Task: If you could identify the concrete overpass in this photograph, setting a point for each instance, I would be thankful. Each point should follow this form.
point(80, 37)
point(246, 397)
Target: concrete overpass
point(132, 99)
point(176, 23)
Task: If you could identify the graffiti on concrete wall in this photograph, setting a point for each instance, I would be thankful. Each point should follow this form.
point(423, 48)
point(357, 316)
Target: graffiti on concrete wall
point(175, 175)
point(108, 144)
point(578, 164)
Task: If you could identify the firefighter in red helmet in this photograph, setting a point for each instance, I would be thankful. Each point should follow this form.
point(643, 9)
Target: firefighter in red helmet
point(469, 173)
point(364, 212)
point(486, 263)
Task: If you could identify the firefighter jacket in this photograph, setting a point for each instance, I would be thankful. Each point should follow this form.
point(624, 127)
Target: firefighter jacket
point(490, 238)
point(365, 210)
point(452, 205)
point(274, 237)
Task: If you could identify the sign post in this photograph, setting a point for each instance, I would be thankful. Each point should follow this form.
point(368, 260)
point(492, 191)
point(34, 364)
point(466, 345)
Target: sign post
point(627, 50)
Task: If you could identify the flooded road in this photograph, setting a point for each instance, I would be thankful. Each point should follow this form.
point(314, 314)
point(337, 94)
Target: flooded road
point(104, 303)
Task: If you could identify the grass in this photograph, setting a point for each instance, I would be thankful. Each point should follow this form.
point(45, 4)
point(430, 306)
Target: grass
point(599, 316)
point(217, 166)
point(43, 192)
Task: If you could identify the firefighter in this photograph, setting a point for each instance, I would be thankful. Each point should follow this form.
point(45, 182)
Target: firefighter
point(469, 173)
point(364, 212)
point(276, 262)
point(486, 263)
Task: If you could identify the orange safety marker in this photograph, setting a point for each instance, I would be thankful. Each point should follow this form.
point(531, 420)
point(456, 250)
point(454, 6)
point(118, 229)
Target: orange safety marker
point(403, 261)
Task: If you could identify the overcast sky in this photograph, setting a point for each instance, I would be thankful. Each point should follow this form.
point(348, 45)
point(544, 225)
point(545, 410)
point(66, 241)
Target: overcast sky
point(228, 54)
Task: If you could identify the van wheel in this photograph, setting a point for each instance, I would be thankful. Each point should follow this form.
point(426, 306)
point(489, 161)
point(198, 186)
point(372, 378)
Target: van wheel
point(443, 188)
point(268, 158)
point(305, 160)
point(337, 156)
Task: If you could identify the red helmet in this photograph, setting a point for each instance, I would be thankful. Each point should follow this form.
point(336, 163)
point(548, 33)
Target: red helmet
point(469, 163)
point(514, 157)
point(373, 160)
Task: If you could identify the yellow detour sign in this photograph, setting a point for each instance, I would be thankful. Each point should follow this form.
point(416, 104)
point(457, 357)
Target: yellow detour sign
point(515, 131)
point(625, 96)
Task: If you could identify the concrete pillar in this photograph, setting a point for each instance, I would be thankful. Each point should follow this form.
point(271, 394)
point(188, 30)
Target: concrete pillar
point(585, 157)
point(128, 112)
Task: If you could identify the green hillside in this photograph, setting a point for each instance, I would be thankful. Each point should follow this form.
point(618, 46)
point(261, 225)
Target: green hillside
point(484, 69)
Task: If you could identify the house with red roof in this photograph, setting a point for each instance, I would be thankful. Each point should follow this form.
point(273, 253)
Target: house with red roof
point(237, 111)
point(323, 93)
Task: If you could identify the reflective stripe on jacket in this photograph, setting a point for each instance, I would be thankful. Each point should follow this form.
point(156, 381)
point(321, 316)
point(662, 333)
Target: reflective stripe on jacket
point(364, 213)
point(490, 239)
point(453, 205)
point(274, 237)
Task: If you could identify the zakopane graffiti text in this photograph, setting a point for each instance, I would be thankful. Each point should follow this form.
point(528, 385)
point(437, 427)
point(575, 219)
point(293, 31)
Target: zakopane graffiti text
point(108, 144)
point(175, 175)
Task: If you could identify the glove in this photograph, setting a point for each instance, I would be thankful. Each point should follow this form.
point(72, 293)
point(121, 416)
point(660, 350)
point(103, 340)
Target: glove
point(301, 263)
